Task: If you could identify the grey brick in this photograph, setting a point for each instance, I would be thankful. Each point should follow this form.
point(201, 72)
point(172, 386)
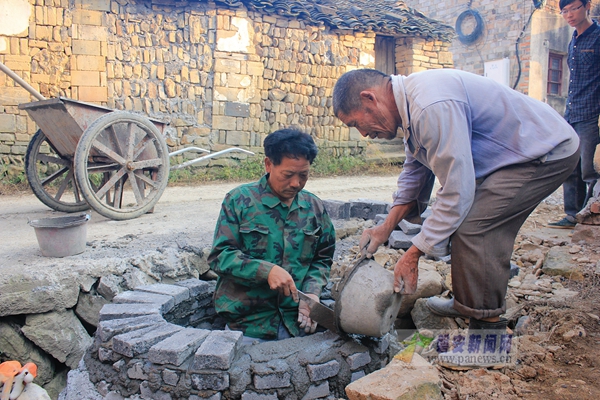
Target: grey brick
point(180, 293)
point(177, 348)
point(213, 381)
point(197, 287)
point(120, 311)
point(258, 396)
point(337, 209)
point(408, 228)
point(166, 303)
point(379, 218)
point(138, 342)
point(170, 377)
point(317, 391)
point(358, 360)
point(217, 351)
point(356, 375)
point(319, 372)
point(400, 240)
point(367, 209)
point(381, 345)
point(107, 329)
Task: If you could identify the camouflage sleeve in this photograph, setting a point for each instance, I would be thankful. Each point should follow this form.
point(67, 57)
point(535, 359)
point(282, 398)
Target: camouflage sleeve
point(227, 257)
point(318, 272)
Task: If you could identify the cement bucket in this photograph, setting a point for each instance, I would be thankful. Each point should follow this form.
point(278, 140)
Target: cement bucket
point(366, 303)
point(61, 236)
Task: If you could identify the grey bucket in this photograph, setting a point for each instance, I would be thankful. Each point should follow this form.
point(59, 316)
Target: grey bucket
point(366, 303)
point(61, 236)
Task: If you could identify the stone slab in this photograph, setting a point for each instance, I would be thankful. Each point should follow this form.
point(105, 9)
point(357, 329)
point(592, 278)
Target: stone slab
point(107, 329)
point(399, 380)
point(217, 351)
point(177, 348)
point(120, 311)
point(180, 293)
point(319, 372)
point(164, 302)
point(559, 261)
point(400, 240)
point(367, 209)
point(213, 381)
point(337, 209)
point(138, 342)
point(409, 228)
point(197, 287)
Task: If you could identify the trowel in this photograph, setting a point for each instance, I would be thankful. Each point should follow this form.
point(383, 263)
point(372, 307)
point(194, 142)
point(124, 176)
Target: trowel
point(324, 315)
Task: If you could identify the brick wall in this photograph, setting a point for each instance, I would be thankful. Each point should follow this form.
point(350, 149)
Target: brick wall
point(221, 77)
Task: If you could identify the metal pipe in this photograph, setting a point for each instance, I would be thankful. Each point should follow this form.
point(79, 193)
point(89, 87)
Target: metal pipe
point(21, 82)
point(200, 159)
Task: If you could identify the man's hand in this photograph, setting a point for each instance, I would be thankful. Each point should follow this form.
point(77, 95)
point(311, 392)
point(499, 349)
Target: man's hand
point(279, 279)
point(406, 272)
point(372, 238)
point(304, 320)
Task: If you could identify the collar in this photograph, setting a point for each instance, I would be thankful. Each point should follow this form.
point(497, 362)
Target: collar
point(270, 199)
point(588, 31)
point(401, 103)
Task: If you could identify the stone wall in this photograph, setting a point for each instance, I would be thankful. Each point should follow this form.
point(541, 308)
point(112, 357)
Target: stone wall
point(221, 77)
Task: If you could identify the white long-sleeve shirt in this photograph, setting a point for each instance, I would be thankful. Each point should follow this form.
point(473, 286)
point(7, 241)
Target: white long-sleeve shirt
point(462, 127)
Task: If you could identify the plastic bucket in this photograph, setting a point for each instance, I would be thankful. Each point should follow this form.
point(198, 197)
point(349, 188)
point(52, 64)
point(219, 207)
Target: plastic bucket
point(61, 236)
point(366, 302)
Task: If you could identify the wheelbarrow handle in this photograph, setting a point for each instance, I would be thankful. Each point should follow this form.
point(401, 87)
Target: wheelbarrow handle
point(21, 82)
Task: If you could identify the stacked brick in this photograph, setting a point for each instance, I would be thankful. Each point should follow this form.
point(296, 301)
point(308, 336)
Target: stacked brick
point(221, 76)
point(138, 351)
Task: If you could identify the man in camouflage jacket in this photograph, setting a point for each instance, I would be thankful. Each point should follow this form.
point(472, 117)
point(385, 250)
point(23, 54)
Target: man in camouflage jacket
point(273, 238)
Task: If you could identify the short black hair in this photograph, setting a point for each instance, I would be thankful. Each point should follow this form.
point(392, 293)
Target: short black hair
point(346, 92)
point(563, 3)
point(290, 142)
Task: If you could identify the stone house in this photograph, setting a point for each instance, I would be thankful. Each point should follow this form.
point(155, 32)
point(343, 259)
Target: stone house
point(519, 42)
point(222, 72)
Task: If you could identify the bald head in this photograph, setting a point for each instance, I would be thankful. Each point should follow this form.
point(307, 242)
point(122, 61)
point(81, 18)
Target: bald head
point(346, 92)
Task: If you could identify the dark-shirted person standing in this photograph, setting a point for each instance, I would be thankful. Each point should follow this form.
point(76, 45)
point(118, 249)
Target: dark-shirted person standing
point(583, 105)
point(272, 239)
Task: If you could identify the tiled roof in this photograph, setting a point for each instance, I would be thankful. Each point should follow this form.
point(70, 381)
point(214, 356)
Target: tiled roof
point(388, 17)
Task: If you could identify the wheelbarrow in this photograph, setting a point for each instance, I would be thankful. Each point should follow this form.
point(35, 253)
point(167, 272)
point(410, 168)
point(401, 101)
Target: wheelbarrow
point(85, 155)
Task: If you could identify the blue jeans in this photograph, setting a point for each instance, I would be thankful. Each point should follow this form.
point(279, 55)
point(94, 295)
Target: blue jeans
point(579, 186)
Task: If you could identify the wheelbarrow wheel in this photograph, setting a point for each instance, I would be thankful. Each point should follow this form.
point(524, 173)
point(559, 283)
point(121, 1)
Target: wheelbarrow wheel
point(52, 176)
point(122, 165)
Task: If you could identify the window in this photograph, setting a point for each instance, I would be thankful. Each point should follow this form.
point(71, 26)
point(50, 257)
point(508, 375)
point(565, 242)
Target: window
point(555, 70)
point(385, 51)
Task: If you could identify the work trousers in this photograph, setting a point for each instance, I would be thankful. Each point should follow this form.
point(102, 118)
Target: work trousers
point(482, 246)
point(579, 186)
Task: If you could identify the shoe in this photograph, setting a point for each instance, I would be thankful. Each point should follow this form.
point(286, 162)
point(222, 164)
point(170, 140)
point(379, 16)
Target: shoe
point(564, 223)
point(486, 345)
point(443, 307)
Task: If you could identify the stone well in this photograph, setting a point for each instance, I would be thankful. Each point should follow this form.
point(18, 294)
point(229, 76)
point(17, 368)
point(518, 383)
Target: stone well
point(165, 342)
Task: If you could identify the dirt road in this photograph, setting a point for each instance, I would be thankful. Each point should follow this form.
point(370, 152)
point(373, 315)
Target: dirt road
point(183, 214)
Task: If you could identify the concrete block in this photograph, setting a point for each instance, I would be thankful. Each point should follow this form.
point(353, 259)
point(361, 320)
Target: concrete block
point(138, 342)
point(86, 47)
point(317, 391)
point(93, 94)
point(379, 218)
point(8, 123)
point(409, 228)
point(368, 209)
point(177, 348)
point(197, 287)
point(337, 209)
point(235, 109)
point(107, 329)
point(400, 240)
point(214, 381)
point(119, 311)
point(225, 123)
point(166, 303)
point(180, 293)
point(358, 360)
point(356, 375)
point(319, 372)
point(217, 351)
